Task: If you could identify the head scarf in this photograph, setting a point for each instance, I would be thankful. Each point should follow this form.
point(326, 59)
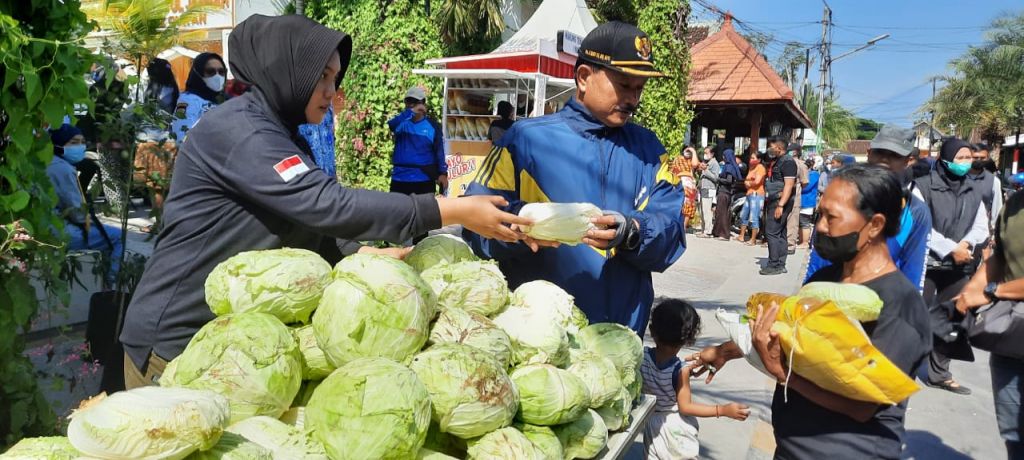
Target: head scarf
point(61, 136)
point(730, 167)
point(161, 76)
point(283, 57)
point(948, 152)
point(195, 84)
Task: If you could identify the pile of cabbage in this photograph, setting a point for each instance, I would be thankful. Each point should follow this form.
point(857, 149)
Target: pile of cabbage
point(374, 358)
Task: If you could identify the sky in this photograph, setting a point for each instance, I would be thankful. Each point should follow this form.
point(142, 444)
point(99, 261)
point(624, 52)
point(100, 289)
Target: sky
point(890, 81)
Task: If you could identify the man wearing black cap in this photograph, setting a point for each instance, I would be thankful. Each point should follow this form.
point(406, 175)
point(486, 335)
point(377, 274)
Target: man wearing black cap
point(589, 152)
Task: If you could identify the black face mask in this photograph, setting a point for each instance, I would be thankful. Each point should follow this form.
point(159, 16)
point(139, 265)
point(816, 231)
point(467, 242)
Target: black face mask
point(837, 249)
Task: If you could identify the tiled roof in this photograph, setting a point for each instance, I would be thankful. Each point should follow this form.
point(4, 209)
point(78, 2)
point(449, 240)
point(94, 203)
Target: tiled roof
point(727, 68)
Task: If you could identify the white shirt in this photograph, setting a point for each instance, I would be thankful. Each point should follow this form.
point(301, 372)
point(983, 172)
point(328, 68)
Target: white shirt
point(942, 246)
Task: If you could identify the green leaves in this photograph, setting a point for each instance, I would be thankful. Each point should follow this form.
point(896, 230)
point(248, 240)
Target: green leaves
point(41, 79)
point(662, 112)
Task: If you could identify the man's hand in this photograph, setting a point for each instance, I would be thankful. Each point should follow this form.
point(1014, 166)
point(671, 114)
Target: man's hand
point(602, 236)
point(962, 254)
point(482, 215)
point(735, 411)
point(442, 180)
point(766, 341)
point(778, 213)
point(397, 253)
point(971, 298)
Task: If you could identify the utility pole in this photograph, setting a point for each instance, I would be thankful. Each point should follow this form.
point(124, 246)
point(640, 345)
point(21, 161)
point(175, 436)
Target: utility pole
point(804, 87)
point(931, 117)
point(826, 62)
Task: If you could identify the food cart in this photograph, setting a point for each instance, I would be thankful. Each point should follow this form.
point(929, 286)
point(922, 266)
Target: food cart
point(471, 104)
point(532, 70)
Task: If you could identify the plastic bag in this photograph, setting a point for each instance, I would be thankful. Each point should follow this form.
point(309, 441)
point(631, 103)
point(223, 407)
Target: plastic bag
point(566, 223)
point(827, 347)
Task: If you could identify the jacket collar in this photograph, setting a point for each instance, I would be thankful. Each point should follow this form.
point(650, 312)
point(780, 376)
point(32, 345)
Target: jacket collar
point(581, 120)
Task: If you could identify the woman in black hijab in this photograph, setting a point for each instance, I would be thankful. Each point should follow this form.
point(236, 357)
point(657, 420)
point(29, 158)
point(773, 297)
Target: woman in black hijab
point(244, 180)
point(162, 88)
point(959, 225)
point(204, 90)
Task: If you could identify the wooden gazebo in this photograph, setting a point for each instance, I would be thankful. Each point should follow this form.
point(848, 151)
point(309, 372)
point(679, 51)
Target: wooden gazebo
point(733, 88)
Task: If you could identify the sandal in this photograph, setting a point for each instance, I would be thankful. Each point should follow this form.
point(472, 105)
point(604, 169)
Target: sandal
point(951, 386)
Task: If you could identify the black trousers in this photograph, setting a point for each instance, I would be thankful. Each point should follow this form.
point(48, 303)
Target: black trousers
point(414, 188)
point(941, 286)
point(775, 233)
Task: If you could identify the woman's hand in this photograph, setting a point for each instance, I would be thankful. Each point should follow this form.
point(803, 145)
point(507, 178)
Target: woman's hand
point(482, 215)
point(712, 359)
point(735, 411)
point(766, 341)
point(397, 253)
point(962, 254)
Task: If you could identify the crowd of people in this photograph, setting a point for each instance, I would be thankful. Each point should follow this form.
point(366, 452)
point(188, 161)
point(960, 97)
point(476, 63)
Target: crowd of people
point(932, 238)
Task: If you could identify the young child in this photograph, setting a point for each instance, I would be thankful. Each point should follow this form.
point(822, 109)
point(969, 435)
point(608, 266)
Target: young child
point(671, 432)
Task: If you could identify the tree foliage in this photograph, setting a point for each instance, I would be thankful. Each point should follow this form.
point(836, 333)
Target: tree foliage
point(985, 89)
point(145, 27)
point(470, 26)
point(839, 125)
point(866, 129)
point(613, 10)
point(40, 46)
point(664, 109)
point(389, 41)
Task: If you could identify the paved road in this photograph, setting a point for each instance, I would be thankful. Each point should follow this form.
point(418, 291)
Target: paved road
point(717, 274)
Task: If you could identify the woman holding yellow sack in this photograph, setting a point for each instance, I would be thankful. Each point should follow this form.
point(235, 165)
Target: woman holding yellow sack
point(858, 213)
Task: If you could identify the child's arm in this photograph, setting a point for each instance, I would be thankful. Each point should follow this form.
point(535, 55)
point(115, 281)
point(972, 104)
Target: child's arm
point(688, 407)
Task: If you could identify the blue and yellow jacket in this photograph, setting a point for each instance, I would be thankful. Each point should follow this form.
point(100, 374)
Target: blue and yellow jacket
point(570, 157)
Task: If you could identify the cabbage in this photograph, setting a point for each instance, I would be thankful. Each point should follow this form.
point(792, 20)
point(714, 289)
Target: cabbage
point(305, 392)
point(535, 339)
point(295, 416)
point(459, 326)
point(620, 345)
point(549, 395)
point(437, 250)
point(376, 307)
point(506, 443)
point(286, 283)
point(250, 358)
point(584, 438)
point(314, 362)
point(281, 439)
point(858, 302)
point(616, 412)
point(598, 374)
point(469, 390)
point(439, 441)
point(234, 447)
point(548, 298)
point(122, 425)
point(370, 408)
point(543, 438)
point(566, 223)
point(47, 448)
point(476, 286)
point(427, 454)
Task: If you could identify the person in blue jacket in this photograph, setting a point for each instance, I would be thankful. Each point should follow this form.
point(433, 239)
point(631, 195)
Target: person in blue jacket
point(419, 163)
point(891, 148)
point(590, 152)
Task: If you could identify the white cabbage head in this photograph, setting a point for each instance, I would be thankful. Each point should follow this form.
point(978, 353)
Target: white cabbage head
point(123, 425)
point(566, 223)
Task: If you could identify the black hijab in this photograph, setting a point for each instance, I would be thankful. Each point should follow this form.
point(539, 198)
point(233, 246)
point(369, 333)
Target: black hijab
point(195, 84)
point(949, 149)
point(161, 75)
point(283, 57)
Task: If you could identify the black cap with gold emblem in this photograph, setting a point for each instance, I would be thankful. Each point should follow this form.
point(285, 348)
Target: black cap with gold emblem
point(621, 47)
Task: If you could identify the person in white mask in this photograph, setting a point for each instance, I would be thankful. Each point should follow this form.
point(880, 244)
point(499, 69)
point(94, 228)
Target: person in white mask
point(204, 90)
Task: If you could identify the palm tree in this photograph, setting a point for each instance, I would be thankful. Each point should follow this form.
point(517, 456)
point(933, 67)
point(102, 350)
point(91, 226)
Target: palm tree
point(985, 90)
point(839, 125)
point(470, 26)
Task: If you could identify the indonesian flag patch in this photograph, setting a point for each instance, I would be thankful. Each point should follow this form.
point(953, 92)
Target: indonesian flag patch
point(290, 167)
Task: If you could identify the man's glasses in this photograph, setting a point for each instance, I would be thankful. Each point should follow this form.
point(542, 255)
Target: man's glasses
point(209, 72)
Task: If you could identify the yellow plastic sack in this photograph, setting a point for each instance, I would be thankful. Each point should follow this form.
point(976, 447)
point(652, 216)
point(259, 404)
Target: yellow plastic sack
point(823, 345)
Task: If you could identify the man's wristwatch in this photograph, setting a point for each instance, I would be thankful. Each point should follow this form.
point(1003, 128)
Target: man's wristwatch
point(990, 291)
point(632, 236)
